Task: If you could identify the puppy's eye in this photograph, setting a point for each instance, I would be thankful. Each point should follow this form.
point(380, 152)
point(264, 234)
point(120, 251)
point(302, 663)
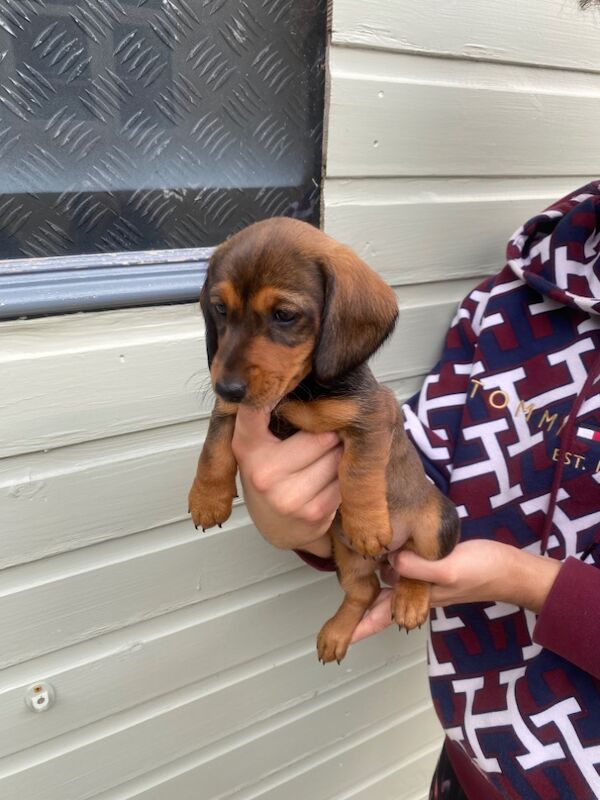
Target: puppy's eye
point(284, 316)
point(220, 308)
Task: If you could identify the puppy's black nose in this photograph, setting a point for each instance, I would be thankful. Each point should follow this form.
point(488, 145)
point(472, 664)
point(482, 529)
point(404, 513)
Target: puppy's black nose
point(234, 391)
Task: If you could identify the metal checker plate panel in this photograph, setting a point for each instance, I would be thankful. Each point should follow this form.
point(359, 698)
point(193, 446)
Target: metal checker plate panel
point(129, 125)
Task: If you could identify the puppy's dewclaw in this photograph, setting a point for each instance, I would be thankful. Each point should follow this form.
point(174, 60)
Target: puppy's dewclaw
point(292, 317)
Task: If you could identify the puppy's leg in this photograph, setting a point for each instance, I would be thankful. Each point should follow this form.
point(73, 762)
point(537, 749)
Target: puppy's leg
point(362, 476)
point(361, 586)
point(410, 602)
point(435, 532)
point(366, 430)
point(214, 488)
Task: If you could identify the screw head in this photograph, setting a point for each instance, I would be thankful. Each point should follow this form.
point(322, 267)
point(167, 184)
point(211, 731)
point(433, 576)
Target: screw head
point(40, 697)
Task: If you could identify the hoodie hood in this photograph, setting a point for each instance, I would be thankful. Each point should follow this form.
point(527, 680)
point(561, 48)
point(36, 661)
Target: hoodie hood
point(557, 252)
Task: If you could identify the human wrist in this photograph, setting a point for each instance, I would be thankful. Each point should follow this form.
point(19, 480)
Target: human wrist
point(529, 579)
point(321, 547)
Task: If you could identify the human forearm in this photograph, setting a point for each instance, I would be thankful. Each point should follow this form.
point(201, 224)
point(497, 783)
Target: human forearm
point(527, 579)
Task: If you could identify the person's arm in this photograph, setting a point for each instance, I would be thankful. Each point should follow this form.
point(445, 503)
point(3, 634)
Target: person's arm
point(565, 595)
point(476, 571)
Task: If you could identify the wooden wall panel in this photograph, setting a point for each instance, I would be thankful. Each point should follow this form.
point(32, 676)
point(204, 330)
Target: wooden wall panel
point(416, 230)
point(552, 33)
point(122, 749)
point(404, 115)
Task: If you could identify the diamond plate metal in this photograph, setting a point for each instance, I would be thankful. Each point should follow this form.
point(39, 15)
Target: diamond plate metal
point(155, 124)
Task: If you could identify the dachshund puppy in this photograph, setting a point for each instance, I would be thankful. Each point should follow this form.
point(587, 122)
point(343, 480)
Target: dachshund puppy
point(291, 318)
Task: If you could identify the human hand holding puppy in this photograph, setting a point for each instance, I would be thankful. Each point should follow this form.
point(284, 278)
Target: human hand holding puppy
point(291, 491)
point(291, 486)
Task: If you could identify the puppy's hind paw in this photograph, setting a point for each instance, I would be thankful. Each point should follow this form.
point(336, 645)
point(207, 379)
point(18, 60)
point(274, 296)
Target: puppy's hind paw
point(410, 603)
point(332, 642)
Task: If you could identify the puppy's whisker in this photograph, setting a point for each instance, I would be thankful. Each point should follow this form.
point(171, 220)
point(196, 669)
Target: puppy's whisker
point(205, 392)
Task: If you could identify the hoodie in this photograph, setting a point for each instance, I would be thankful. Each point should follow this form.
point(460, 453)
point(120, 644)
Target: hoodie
point(508, 426)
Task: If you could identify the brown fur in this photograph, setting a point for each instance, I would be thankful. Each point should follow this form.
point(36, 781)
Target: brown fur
point(291, 318)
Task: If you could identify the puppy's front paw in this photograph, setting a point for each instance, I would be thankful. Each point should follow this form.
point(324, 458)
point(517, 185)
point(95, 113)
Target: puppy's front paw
point(410, 603)
point(333, 641)
point(210, 503)
point(368, 534)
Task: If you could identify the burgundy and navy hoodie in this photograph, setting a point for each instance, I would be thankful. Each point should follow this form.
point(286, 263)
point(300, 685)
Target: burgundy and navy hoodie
point(508, 426)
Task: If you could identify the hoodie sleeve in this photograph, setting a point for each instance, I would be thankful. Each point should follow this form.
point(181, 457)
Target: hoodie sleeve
point(317, 562)
point(433, 416)
point(568, 621)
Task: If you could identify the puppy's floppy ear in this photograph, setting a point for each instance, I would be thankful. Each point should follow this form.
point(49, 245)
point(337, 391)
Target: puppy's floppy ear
point(211, 335)
point(360, 312)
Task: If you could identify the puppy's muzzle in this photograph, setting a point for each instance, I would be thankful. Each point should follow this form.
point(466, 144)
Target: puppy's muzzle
point(232, 391)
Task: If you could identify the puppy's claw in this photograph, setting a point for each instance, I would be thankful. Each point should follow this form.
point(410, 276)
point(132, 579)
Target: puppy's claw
point(195, 526)
point(220, 526)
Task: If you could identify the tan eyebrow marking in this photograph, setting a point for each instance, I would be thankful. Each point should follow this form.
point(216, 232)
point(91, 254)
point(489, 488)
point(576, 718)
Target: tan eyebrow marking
point(225, 291)
point(268, 297)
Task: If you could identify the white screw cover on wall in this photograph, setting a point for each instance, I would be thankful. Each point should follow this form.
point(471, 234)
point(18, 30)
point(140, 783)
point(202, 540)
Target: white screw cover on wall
point(40, 697)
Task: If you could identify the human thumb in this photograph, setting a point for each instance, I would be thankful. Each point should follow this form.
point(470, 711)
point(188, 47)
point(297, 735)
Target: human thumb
point(410, 565)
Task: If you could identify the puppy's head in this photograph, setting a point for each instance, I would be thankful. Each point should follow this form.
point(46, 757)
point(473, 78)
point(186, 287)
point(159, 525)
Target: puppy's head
point(281, 301)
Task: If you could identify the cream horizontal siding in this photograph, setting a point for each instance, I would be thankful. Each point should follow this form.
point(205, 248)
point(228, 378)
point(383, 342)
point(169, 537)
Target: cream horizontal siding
point(184, 664)
point(171, 653)
point(257, 703)
point(98, 376)
point(551, 33)
point(118, 671)
point(408, 226)
point(424, 116)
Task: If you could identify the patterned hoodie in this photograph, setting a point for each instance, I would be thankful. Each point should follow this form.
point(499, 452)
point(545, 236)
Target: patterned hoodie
point(508, 425)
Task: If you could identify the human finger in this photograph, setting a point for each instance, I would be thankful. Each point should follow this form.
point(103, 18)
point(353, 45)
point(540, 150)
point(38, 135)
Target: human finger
point(304, 449)
point(291, 492)
point(377, 618)
point(252, 429)
point(324, 505)
point(410, 565)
